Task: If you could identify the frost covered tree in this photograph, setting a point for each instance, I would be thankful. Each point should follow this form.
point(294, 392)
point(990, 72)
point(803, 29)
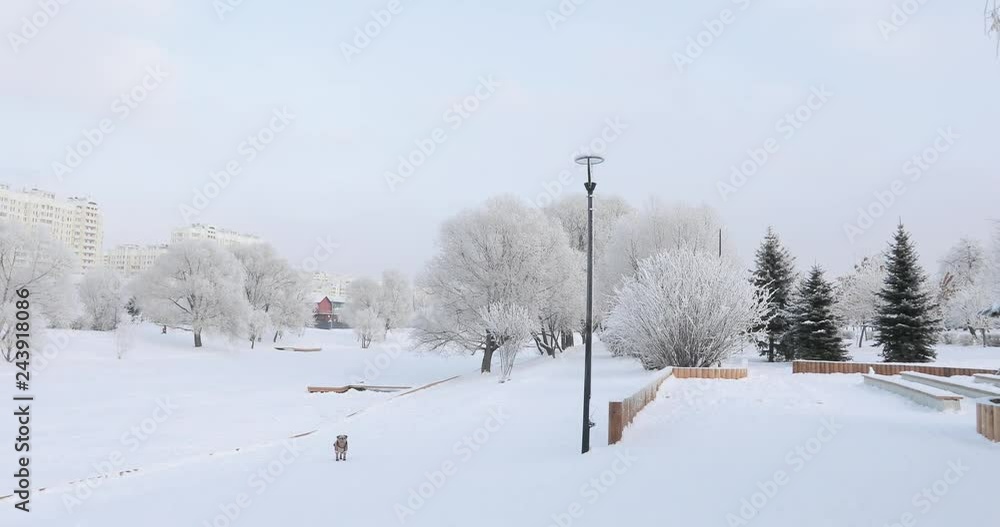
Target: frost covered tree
point(571, 212)
point(511, 327)
point(858, 294)
point(32, 260)
point(814, 323)
point(363, 310)
point(965, 289)
point(685, 308)
point(196, 285)
point(567, 310)
point(367, 324)
point(274, 292)
point(774, 271)
point(503, 252)
point(648, 232)
point(124, 334)
point(562, 310)
point(906, 321)
point(395, 300)
point(966, 262)
point(102, 297)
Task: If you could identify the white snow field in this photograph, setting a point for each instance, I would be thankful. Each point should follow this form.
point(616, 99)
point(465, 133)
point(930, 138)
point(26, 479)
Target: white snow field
point(773, 450)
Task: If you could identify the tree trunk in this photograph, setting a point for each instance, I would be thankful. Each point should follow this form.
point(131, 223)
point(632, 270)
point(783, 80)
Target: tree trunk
point(491, 346)
point(252, 343)
point(770, 349)
point(984, 336)
point(861, 337)
point(197, 339)
point(276, 333)
point(567, 339)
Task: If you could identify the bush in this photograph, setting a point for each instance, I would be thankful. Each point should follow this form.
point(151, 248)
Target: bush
point(684, 309)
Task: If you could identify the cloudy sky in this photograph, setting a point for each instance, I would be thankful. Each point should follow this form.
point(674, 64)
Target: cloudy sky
point(824, 105)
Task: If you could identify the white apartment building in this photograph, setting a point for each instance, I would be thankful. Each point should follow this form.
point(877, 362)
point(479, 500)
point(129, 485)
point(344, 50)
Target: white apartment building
point(330, 285)
point(131, 259)
point(225, 237)
point(76, 222)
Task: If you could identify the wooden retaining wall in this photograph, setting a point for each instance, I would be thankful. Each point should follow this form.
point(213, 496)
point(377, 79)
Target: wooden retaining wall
point(881, 368)
point(621, 413)
point(710, 373)
point(988, 418)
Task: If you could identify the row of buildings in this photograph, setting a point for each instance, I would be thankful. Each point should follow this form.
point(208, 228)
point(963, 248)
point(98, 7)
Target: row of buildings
point(77, 222)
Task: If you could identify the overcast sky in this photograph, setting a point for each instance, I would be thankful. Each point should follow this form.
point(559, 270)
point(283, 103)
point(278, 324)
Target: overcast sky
point(926, 85)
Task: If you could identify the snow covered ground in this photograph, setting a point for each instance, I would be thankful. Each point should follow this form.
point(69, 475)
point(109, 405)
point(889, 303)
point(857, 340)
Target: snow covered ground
point(773, 450)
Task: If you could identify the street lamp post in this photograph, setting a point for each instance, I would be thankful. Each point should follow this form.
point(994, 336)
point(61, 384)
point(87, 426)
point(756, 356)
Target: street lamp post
point(590, 186)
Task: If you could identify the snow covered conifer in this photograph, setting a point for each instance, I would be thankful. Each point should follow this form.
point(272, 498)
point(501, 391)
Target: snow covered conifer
point(815, 326)
point(775, 273)
point(906, 321)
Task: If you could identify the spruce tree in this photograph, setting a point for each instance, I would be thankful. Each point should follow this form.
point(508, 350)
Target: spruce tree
point(815, 327)
point(775, 273)
point(906, 319)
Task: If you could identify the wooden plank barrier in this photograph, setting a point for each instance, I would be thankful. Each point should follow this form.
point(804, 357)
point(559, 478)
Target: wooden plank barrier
point(710, 373)
point(622, 413)
point(881, 368)
point(988, 418)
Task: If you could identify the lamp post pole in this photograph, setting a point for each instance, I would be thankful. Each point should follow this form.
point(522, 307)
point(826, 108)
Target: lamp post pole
point(588, 331)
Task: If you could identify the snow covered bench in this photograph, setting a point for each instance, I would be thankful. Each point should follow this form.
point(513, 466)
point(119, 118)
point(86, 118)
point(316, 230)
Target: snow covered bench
point(920, 394)
point(986, 378)
point(951, 385)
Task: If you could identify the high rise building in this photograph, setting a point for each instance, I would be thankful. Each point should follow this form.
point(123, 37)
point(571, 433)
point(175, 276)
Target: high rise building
point(225, 237)
point(330, 285)
point(76, 221)
point(131, 259)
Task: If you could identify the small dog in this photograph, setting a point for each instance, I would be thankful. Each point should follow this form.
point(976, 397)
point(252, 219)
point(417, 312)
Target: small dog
point(340, 448)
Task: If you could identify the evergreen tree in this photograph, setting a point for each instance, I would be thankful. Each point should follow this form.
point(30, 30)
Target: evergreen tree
point(775, 273)
point(906, 321)
point(814, 333)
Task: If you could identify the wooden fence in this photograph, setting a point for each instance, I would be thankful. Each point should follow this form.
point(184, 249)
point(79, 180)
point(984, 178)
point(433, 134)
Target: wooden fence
point(710, 373)
point(881, 368)
point(621, 413)
point(988, 418)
